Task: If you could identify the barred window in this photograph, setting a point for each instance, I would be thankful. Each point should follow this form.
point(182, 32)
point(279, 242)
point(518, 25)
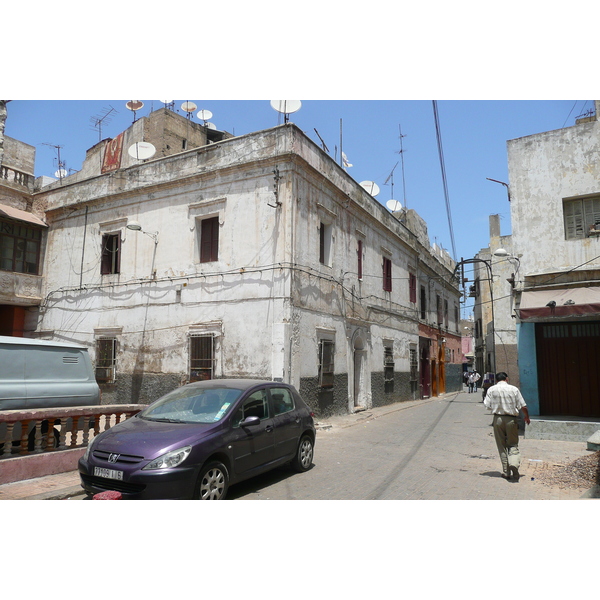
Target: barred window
point(106, 360)
point(202, 357)
point(388, 369)
point(326, 364)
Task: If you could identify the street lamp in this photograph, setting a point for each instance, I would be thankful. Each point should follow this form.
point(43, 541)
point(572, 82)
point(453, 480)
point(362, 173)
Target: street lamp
point(502, 253)
point(501, 183)
point(135, 226)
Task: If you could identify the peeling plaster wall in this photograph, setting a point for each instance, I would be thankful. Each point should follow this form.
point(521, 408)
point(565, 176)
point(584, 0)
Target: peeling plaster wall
point(545, 169)
point(266, 300)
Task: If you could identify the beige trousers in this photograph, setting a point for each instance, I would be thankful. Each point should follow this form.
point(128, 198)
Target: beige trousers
point(506, 432)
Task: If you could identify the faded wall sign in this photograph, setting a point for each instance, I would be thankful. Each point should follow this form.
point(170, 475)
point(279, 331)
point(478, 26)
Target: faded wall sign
point(112, 154)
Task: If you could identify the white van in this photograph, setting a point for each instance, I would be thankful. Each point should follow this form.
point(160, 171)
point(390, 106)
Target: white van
point(44, 374)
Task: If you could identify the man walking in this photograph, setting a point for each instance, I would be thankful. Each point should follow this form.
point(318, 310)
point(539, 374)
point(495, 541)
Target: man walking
point(505, 401)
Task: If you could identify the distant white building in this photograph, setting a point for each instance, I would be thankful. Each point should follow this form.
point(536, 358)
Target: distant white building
point(252, 256)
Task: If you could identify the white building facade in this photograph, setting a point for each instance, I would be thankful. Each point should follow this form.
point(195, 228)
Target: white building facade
point(553, 263)
point(256, 256)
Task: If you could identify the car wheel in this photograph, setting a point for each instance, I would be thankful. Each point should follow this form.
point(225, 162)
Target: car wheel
point(304, 454)
point(213, 482)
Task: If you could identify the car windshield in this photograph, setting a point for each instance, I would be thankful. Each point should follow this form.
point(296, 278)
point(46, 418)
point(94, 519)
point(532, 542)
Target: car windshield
point(192, 405)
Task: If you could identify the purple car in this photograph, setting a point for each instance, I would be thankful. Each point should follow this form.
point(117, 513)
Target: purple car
point(199, 439)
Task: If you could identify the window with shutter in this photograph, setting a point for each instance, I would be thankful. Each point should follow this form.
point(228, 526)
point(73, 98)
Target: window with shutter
point(209, 240)
point(110, 262)
point(581, 217)
point(387, 274)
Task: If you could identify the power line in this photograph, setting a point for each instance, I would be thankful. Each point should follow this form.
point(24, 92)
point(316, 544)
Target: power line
point(444, 181)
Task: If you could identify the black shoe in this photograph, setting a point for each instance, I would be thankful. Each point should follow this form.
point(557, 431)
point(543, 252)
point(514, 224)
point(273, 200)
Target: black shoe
point(514, 473)
point(505, 476)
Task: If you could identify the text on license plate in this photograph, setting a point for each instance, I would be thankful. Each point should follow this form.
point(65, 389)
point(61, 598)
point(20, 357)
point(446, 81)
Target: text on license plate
point(108, 473)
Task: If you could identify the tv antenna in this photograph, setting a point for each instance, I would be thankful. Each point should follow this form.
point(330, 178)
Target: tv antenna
point(61, 171)
point(170, 104)
point(392, 203)
point(322, 142)
point(286, 107)
point(134, 106)
point(102, 119)
point(401, 153)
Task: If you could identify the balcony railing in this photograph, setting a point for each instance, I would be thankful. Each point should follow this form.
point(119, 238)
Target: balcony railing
point(12, 175)
point(29, 432)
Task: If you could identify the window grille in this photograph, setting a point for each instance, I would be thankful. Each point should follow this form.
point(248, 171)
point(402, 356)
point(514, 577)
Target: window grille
point(106, 360)
point(326, 363)
point(388, 369)
point(202, 357)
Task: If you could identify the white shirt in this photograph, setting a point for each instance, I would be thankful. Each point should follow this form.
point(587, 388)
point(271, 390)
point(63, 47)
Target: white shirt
point(504, 399)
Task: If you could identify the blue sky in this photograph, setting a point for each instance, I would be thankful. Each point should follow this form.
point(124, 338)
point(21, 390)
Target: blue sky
point(473, 133)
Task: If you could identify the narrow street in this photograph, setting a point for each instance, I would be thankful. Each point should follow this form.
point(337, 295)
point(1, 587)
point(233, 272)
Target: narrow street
point(437, 449)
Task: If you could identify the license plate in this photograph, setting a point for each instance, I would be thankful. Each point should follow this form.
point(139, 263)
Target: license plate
point(108, 473)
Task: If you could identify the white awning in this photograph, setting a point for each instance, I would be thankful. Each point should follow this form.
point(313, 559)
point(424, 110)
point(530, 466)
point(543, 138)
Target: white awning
point(20, 215)
point(560, 302)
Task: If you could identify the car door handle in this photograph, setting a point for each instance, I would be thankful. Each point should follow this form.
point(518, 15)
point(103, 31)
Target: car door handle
point(269, 428)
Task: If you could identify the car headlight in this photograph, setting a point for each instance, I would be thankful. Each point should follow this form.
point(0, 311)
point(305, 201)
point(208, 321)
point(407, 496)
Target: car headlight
point(169, 460)
point(86, 455)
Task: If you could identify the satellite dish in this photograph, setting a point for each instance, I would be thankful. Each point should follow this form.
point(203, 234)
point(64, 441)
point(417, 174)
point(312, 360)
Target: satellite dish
point(61, 173)
point(204, 115)
point(167, 101)
point(141, 150)
point(188, 107)
point(371, 187)
point(211, 126)
point(134, 105)
point(394, 205)
point(286, 107)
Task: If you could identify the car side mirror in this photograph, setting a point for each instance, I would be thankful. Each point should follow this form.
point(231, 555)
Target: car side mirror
point(250, 421)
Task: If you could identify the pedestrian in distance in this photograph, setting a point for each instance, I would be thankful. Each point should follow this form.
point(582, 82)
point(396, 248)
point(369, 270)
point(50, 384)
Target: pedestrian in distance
point(476, 377)
point(505, 401)
point(488, 382)
point(466, 377)
point(471, 382)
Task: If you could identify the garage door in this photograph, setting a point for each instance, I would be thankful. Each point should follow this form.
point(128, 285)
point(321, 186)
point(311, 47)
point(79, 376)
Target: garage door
point(568, 357)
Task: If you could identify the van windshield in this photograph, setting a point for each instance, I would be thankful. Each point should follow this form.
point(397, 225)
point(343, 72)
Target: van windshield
point(192, 405)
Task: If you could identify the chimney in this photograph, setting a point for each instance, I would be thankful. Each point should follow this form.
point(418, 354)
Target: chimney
point(494, 226)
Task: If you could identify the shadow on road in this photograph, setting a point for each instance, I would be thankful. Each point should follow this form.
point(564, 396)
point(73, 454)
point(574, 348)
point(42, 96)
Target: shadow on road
point(260, 482)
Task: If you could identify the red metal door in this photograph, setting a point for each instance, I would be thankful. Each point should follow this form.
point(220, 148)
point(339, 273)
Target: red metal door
point(568, 358)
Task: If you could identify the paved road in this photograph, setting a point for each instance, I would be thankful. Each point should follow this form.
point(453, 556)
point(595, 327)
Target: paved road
point(436, 449)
